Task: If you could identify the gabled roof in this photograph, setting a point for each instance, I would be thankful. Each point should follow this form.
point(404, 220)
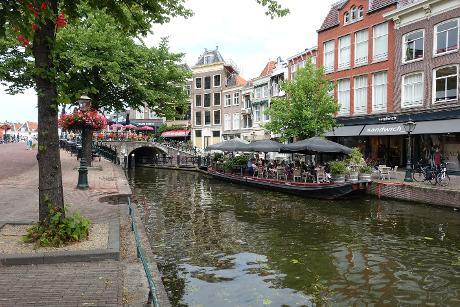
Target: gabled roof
point(268, 69)
point(332, 18)
point(214, 57)
point(240, 81)
point(33, 126)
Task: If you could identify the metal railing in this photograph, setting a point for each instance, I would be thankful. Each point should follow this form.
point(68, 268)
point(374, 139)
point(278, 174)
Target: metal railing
point(152, 299)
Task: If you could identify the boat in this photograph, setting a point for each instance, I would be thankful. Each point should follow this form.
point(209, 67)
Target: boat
point(310, 190)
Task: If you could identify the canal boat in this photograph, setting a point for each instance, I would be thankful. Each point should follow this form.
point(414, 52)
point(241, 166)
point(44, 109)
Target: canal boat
point(310, 190)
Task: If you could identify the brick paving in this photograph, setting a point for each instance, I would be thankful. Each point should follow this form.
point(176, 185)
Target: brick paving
point(67, 284)
point(454, 183)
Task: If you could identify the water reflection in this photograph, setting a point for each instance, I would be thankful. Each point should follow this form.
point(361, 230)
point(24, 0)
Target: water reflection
point(221, 244)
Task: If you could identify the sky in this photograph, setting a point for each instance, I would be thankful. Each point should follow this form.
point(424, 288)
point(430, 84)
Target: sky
point(239, 28)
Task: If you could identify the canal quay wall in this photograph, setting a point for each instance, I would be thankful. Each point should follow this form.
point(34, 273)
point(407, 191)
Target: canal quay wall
point(416, 192)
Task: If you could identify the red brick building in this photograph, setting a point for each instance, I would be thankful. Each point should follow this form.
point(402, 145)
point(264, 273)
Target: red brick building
point(298, 61)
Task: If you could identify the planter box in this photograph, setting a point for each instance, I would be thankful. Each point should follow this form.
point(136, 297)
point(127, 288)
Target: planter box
point(365, 177)
point(338, 179)
point(353, 177)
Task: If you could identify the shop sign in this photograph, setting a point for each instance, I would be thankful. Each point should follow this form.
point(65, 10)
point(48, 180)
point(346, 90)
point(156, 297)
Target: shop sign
point(383, 130)
point(388, 118)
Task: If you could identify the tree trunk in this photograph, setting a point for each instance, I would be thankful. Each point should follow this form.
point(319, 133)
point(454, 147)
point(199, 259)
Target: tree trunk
point(50, 189)
point(87, 145)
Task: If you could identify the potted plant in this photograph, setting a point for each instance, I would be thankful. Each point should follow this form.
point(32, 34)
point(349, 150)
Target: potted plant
point(338, 171)
point(365, 172)
point(355, 161)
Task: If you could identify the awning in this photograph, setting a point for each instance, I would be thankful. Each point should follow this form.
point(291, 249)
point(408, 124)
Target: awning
point(346, 131)
point(175, 133)
point(384, 129)
point(437, 126)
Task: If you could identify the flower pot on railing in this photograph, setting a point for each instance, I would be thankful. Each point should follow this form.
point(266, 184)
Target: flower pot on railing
point(353, 176)
point(365, 173)
point(365, 177)
point(338, 178)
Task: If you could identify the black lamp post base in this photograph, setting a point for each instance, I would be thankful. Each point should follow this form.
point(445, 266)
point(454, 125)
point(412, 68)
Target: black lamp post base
point(82, 175)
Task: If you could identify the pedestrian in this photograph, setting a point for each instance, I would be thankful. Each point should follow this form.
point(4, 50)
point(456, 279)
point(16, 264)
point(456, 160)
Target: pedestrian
point(437, 158)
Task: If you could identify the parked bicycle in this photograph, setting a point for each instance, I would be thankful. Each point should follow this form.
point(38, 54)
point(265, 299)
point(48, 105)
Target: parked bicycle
point(433, 175)
point(442, 178)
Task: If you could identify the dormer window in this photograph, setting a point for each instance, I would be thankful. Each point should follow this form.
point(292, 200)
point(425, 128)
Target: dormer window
point(353, 15)
point(208, 59)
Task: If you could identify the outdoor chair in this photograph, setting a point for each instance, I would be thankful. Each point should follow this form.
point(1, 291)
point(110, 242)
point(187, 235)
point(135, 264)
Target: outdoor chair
point(297, 174)
point(393, 171)
point(321, 176)
point(281, 173)
point(384, 172)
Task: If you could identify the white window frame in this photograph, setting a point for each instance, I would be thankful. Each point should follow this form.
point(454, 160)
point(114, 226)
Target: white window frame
point(355, 89)
point(435, 38)
point(385, 104)
point(364, 60)
point(220, 80)
point(433, 92)
point(227, 123)
point(236, 120)
point(257, 112)
point(207, 59)
point(210, 100)
point(201, 101)
point(345, 111)
point(329, 67)
point(214, 99)
point(228, 98)
point(210, 83)
point(265, 91)
point(201, 118)
point(383, 56)
point(200, 82)
point(214, 118)
point(403, 90)
point(204, 118)
point(346, 64)
point(236, 99)
point(404, 46)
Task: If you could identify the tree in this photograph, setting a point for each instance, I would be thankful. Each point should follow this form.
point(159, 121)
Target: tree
point(308, 108)
point(36, 23)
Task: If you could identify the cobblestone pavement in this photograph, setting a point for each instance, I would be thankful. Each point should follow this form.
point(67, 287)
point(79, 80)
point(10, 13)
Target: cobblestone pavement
point(66, 284)
point(19, 186)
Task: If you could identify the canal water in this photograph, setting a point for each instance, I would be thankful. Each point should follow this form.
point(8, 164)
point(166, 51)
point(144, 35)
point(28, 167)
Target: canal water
point(220, 244)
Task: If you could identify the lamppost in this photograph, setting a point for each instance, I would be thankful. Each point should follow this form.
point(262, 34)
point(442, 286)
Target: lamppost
point(84, 102)
point(409, 127)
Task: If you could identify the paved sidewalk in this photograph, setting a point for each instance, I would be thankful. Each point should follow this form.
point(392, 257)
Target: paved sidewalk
point(454, 183)
point(65, 284)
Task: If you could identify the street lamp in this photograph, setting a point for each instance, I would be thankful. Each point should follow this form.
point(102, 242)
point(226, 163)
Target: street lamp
point(84, 102)
point(409, 127)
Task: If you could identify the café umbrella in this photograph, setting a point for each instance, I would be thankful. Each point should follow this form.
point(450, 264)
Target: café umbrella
point(145, 128)
point(235, 144)
point(316, 145)
point(263, 146)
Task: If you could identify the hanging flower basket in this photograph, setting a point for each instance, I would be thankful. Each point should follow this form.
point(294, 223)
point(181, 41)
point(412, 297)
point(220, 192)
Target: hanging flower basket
point(78, 119)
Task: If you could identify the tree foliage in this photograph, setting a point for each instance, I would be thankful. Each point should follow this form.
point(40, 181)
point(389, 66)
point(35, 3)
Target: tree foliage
point(307, 110)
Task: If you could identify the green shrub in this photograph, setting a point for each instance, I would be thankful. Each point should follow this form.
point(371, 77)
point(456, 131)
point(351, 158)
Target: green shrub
point(338, 167)
point(58, 230)
point(365, 169)
point(240, 160)
point(228, 165)
point(356, 157)
point(218, 157)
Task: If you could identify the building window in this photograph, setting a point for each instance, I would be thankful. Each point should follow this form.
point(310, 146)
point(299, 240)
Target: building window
point(207, 59)
point(217, 99)
point(344, 52)
point(236, 99)
point(446, 37)
point(265, 115)
point(360, 13)
point(216, 117)
point(197, 100)
point(197, 83)
point(379, 92)
point(207, 83)
point(360, 94)
point(227, 123)
point(265, 91)
point(412, 90)
point(361, 50)
point(207, 100)
point(247, 121)
point(343, 96)
point(257, 113)
point(380, 51)
point(207, 118)
point(198, 133)
point(236, 121)
point(216, 134)
point(413, 46)
point(258, 92)
point(216, 80)
point(354, 13)
point(247, 102)
point(445, 85)
point(228, 100)
point(198, 119)
point(140, 113)
point(329, 56)
point(346, 18)
point(313, 60)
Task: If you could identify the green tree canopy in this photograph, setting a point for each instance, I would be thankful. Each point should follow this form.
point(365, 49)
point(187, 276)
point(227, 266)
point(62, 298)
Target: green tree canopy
point(308, 108)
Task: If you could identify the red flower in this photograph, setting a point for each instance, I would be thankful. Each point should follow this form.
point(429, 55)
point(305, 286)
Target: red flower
point(43, 6)
point(30, 7)
point(35, 27)
point(61, 22)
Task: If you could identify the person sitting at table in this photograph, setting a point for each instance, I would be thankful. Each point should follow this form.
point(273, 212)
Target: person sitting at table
point(250, 167)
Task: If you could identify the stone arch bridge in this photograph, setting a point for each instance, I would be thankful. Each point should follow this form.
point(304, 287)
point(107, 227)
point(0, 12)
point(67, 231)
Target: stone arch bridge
point(142, 152)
